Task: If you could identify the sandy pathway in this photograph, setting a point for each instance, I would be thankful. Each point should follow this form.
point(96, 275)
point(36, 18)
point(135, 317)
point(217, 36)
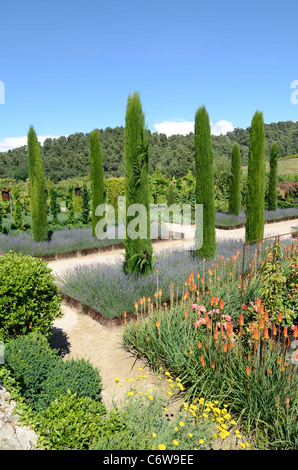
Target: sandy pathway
point(86, 338)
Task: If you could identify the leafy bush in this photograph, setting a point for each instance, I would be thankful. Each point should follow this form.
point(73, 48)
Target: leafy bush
point(29, 299)
point(44, 376)
point(79, 376)
point(72, 423)
point(31, 360)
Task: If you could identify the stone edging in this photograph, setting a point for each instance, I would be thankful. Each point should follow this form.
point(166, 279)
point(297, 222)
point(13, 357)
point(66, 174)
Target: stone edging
point(99, 317)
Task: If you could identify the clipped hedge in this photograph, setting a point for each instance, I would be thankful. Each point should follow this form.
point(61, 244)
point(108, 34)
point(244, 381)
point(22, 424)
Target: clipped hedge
point(29, 298)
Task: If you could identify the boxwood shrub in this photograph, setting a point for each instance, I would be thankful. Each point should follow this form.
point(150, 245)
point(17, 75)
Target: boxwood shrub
point(29, 298)
point(43, 375)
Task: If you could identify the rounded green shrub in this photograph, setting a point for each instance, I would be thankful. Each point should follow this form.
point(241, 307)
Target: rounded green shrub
point(31, 359)
point(29, 298)
point(77, 375)
point(71, 423)
point(43, 375)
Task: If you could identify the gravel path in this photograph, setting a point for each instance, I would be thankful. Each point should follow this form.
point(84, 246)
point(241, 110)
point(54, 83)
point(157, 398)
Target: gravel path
point(79, 336)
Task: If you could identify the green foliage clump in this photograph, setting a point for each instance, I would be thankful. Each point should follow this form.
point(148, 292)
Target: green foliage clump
point(29, 298)
point(18, 209)
point(235, 193)
point(85, 216)
point(77, 375)
point(205, 182)
point(31, 360)
point(54, 205)
point(72, 423)
point(255, 198)
point(273, 179)
point(97, 177)
point(274, 283)
point(44, 376)
point(37, 189)
point(70, 206)
point(138, 251)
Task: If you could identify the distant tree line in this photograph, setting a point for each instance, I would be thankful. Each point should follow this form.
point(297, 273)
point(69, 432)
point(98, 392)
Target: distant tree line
point(68, 157)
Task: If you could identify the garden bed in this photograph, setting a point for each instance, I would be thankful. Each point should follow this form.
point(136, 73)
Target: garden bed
point(108, 291)
point(114, 246)
point(231, 222)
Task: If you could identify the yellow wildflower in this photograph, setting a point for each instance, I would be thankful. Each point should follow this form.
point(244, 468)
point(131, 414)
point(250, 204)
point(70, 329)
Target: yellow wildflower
point(201, 441)
point(181, 423)
point(175, 442)
point(161, 447)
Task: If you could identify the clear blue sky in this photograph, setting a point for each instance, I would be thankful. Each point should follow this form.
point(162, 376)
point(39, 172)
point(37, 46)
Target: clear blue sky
point(68, 66)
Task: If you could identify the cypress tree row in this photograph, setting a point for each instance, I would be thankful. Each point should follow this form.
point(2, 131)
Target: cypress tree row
point(273, 180)
point(138, 250)
point(205, 182)
point(97, 177)
point(235, 191)
point(37, 189)
point(255, 198)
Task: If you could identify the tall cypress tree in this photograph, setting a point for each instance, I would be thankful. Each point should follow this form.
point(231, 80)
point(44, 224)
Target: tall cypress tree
point(138, 251)
point(235, 191)
point(273, 180)
point(205, 182)
point(37, 189)
point(54, 205)
point(97, 177)
point(255, 197)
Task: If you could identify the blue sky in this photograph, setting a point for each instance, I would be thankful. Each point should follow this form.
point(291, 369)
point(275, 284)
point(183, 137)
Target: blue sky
point(69, 66)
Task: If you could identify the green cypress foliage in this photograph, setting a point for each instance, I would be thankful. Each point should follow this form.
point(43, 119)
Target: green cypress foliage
point(1, 217)
point(18, 209)
point(37, 189)
point(54, 205)
point(171, 195)
point(273, 180)
point(70, 205)
point(205, 182)
point(114, 200)
point(138, 251)
point(235, 191)
point(255, 197)
point(85, 216)
point(97, 177)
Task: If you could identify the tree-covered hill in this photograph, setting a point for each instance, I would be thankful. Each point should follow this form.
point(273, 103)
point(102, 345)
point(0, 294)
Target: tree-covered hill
point(68, 157)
